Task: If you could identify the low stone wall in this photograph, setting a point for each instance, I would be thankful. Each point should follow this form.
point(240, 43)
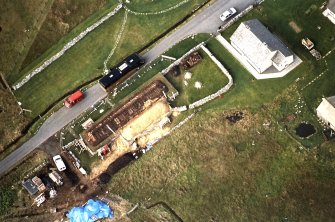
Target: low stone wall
point(232, 21)
point(158, 12)
point(65, 48)
point(179, 109)
point(118, 38)
point(178, 61)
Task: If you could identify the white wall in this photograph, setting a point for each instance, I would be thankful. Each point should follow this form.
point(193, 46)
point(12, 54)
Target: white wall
point(330, 15)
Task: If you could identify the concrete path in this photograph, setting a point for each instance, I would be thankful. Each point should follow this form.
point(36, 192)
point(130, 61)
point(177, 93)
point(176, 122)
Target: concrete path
point(207, 21)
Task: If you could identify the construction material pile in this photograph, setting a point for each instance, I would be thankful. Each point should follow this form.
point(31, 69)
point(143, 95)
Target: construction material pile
point(93, 210)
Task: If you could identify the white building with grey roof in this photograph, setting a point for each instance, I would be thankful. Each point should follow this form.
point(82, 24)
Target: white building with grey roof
point(260, 47)
point(330, 11)
point(326, 111)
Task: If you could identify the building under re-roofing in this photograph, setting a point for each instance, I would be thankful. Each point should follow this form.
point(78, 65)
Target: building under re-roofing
point(326, 111)
point(30, 187)
point(106, 130)
point(260, 47)
point(330, 11)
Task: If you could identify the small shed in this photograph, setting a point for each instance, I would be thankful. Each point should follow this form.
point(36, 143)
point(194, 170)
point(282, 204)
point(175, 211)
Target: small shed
point(30, 187)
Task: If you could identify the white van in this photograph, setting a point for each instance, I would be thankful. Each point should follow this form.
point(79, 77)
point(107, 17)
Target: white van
point(59, 163)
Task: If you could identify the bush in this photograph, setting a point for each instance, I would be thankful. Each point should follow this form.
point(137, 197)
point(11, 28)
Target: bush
point(6, 200)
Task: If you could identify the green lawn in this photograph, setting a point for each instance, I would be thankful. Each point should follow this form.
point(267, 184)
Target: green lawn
point(207, 73)
point(277, 14)
point(324, 84)
point(150, 72)
point(248, 92)
point(86, 160)
point(27, 29)
point(84, 61)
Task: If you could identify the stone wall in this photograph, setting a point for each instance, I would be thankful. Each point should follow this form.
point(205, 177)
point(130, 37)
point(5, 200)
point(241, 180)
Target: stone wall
point(220, 91)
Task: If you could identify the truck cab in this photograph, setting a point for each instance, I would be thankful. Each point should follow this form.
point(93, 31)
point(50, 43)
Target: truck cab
point(73, 99)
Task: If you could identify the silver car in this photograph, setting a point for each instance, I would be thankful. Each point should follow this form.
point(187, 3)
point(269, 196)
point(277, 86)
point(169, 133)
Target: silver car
point(227, 14)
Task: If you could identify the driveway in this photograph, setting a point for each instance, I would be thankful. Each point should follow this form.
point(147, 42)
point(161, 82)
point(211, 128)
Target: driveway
point(207, 21)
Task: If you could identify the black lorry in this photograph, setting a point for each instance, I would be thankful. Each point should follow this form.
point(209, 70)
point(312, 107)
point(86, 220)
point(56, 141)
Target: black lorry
point(117, 72)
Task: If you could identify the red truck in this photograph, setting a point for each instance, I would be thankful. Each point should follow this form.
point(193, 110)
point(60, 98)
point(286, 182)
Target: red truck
point(73, 99)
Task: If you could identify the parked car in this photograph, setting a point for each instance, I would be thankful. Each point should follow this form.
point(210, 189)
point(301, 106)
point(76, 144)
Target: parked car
point(227, 14)
point(59, 163)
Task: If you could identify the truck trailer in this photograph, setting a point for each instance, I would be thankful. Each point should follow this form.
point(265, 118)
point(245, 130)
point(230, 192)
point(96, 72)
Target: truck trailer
point(130, 63)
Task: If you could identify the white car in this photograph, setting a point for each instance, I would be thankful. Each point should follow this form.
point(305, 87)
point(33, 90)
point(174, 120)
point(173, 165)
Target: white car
point(227, 14)
point(59, 163)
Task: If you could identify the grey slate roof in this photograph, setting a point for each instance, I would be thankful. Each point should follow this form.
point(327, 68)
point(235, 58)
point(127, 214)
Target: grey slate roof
point(331, 5)
point(259, 44)
point(30, 186)
point(331, 100)
point(264, 35)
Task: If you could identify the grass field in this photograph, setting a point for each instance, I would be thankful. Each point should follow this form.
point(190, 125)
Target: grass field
point(11, 120)
point(84, 61)
point(256, 169)
point(260, 92)
point(231, 172)
point(61, 19)
point(20, 22)
point(248, 92)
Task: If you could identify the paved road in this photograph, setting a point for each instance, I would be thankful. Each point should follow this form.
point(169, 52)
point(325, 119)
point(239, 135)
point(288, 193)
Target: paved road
point(207, 21)
point(52, 125)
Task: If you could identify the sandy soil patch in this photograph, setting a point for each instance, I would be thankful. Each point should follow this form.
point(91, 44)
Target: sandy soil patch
point(295, 27)
point(155, 134)
point(147, 119)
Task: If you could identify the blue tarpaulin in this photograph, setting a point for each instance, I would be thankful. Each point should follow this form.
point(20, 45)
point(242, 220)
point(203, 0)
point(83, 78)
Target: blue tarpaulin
point(93, 210)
